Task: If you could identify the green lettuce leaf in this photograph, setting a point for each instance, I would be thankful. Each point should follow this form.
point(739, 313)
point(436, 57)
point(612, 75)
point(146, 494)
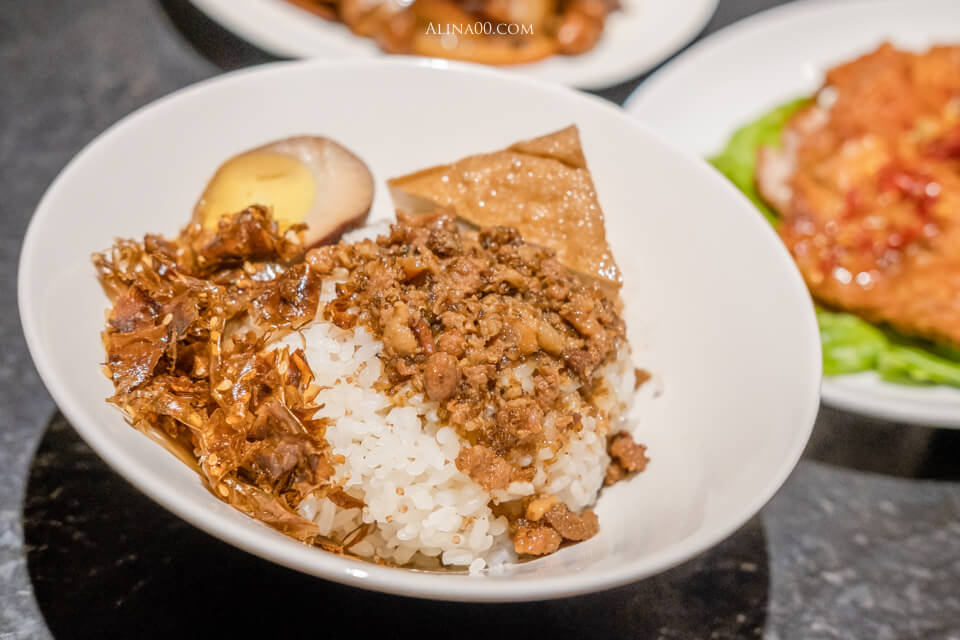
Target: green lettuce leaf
point(739, 159)
point(917, 365)
point(850, 344)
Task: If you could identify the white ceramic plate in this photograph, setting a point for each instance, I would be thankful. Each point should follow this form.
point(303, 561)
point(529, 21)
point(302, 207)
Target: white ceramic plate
point(635, 39)
point(740, 377)
point(741, 72)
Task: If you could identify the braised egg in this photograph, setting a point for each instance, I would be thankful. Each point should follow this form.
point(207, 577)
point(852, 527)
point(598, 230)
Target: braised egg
point(305, 179)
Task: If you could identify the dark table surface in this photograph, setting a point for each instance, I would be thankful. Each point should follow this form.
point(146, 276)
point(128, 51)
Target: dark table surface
point(863, 540)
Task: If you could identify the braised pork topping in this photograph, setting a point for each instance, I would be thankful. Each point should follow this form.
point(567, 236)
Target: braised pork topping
point(487, 326)
point(626, 457)
point(459, 311)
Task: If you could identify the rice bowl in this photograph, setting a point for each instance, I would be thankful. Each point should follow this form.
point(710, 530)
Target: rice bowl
point(695, 499)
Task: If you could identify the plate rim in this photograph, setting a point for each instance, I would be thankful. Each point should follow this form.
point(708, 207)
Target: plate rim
point(223, 13)
point(834, 392)
point(358, 573)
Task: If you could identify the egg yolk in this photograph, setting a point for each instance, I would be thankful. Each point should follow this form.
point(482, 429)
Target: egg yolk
point(275, 180)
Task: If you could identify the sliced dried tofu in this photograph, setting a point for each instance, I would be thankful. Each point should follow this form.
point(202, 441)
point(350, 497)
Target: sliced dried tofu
point(540, 186)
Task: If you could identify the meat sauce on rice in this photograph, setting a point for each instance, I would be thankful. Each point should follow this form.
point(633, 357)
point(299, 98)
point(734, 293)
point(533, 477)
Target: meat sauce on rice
point(434, 397)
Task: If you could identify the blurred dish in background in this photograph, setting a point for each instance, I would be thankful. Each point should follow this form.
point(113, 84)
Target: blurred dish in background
point(487, 31)
point(859, 168)
point(583, 43)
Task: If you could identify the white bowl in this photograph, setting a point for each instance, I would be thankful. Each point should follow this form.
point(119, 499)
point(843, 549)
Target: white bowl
point(715, 306)
point(635, 38)
point(775, 56)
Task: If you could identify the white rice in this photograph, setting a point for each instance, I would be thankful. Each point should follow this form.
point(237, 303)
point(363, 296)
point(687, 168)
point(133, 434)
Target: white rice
point(399, 458)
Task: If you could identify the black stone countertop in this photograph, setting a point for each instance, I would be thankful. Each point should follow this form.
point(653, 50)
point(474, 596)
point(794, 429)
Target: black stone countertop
point(863, 541)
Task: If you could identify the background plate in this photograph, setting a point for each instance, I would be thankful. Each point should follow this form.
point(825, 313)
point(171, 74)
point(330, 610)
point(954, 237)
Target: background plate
point(737, 74)
point(635, 39)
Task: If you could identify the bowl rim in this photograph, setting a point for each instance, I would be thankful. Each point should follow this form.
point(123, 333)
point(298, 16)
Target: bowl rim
point(359, 573)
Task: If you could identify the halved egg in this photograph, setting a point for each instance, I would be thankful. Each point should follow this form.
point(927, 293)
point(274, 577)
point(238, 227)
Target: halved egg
point(305, 179)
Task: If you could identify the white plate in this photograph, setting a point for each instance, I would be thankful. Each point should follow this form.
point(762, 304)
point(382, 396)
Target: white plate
point(635, 39)
point(741, 72)
point(740, 378)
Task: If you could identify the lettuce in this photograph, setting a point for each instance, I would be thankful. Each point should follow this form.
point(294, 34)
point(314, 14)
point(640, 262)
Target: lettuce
point(850, 344)
point(739, 159)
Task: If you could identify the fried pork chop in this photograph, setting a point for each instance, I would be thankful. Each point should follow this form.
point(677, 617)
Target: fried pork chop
point(867, 184)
